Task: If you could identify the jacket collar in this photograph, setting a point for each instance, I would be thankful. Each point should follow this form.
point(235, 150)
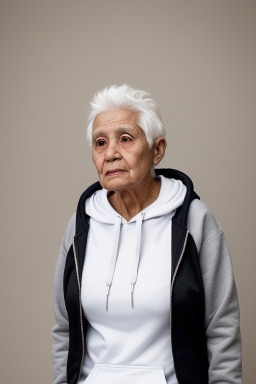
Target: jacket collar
point(82, 219)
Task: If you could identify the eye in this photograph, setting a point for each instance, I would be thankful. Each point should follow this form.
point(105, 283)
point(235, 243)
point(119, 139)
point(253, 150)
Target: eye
point(126, 139)
point(100, 143)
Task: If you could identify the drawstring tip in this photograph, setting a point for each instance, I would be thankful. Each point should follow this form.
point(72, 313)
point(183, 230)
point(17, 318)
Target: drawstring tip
point(132, 288)
point(107, 293)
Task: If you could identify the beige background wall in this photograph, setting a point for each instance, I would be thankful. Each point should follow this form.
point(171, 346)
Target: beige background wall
point(198, 60)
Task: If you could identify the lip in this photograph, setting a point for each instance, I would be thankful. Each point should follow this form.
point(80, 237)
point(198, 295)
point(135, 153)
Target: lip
point(114, 172)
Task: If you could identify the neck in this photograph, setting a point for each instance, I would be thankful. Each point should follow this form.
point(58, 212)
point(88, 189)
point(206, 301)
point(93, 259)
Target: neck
point(129, 202)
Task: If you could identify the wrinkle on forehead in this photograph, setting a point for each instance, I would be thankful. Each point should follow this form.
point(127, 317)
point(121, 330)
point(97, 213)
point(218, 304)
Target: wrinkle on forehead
point(117, 117)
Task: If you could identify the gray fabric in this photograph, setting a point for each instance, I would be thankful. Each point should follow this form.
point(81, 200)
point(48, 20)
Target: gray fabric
point(222, 311)
point(60, 331)
point(221, 302)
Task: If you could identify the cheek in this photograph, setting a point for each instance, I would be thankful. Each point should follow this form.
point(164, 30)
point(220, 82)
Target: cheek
point(98, 163)
point(145, 155)
point(141, 162)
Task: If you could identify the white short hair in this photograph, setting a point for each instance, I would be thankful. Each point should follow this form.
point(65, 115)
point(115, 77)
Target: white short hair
point(125, 97)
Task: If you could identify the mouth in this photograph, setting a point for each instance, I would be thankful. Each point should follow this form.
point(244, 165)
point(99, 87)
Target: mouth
point(115, 172)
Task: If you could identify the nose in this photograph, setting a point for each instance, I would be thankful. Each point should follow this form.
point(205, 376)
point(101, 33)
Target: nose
point(112, 152)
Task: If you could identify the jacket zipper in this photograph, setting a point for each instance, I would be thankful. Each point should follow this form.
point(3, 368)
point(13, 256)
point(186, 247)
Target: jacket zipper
point(174, 275)
point(80, 308)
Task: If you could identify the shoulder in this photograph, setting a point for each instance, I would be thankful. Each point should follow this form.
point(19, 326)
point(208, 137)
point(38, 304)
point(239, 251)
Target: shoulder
point(69, 232)
point(201, 222)
point(64, 247)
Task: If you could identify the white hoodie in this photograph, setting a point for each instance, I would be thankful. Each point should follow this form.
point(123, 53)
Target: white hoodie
point(125, 291)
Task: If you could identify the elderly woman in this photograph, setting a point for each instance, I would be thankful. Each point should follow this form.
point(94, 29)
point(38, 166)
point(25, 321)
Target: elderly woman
point(144, 290)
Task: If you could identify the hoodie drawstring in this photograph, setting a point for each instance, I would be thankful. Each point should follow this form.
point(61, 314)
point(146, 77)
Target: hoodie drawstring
point(137, 255)
point(113, 257)
point(134, 274)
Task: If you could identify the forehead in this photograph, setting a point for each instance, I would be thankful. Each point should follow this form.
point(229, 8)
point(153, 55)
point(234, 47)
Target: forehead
point(115, 118)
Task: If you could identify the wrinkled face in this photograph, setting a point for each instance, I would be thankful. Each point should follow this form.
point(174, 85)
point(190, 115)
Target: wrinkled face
point(120, 150)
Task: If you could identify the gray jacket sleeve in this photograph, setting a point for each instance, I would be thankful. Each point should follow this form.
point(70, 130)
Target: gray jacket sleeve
point(60, 331)
point(222, 321)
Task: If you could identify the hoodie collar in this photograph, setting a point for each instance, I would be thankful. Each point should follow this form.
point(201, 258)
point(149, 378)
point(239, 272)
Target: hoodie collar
point(82, 218)
point(171, 196)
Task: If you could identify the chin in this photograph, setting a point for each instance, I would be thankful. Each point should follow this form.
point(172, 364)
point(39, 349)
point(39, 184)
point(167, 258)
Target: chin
point(115, 185)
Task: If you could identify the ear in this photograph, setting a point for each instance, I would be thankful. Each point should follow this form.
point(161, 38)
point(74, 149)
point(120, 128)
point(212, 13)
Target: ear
point(159, 147)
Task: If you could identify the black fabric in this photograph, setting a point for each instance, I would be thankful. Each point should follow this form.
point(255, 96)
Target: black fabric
point(187, 301)
point(71, 296)
point(82, 218)
point(178, 238)
point(80, 243)
point(188, 314)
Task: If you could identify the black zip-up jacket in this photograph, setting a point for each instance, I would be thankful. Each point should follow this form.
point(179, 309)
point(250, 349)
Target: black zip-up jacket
point(188, 333)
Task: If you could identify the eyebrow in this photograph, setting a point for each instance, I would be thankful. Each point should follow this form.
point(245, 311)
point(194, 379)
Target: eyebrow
point(100, 132)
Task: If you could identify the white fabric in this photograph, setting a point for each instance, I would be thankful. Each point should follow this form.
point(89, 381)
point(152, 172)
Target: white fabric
point(123, 374)
point(133, 259)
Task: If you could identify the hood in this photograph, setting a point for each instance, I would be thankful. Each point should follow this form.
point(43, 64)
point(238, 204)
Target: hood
point(171, 196)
